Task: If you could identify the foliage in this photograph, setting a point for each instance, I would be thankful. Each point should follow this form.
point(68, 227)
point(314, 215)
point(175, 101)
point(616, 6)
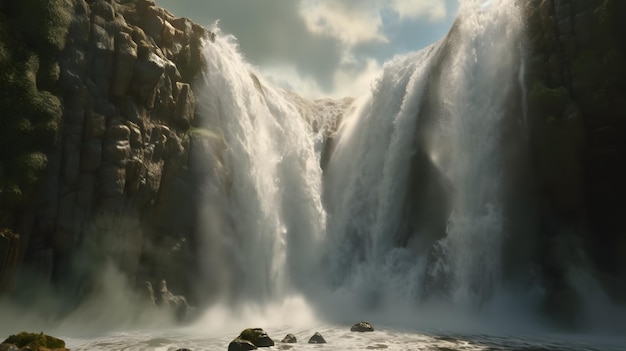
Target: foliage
point(35, 340)
point(31, 36)
point(44, 24)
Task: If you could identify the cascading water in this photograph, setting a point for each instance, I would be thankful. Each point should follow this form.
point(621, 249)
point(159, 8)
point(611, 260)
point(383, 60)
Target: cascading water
point(482, 81)
point(275, 213)
point(381, 246)
point(412, 211)
point(449, 102)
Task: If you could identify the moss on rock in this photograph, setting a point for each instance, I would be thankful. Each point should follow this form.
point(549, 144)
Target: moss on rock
point(30, 37)
point(35, 341)
point(44, 23)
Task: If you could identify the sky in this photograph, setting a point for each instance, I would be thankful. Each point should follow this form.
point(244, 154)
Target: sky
point(322, 48)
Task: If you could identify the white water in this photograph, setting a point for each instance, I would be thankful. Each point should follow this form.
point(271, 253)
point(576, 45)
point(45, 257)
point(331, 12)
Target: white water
point(275, 197)
point(481, 79)
point(339, 337)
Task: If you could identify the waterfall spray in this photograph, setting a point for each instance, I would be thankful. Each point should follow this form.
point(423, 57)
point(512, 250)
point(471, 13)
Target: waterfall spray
point(449, 102)
point(274, 205)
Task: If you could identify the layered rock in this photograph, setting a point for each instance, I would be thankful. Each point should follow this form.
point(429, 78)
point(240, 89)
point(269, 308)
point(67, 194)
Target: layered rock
point(128, 172)
point(9, 251)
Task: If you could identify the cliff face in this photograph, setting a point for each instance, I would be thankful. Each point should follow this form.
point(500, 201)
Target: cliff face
point(577, 121)
point(124, 173)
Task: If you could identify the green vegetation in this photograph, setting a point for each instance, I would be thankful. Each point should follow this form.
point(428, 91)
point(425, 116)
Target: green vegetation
point(32, 33)
point(35, 341)
point(44, 24)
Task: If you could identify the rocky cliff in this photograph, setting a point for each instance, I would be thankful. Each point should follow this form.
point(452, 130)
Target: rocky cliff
point(101, 157)
point(576, 84)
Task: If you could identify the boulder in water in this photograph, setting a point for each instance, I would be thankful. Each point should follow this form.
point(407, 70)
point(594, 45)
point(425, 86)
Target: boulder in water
point(33, 341)
point(240, 344)
point(362, 327)
point(176, 303)
point(289, 339)
point(256, 336)
point(317, 338)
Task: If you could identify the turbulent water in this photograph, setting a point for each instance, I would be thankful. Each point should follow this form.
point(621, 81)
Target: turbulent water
point(339, 337)
point(406, 225)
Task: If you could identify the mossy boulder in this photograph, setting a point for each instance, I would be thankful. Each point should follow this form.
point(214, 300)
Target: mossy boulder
point(362, 327)
point(257, 336)
point(35, 341)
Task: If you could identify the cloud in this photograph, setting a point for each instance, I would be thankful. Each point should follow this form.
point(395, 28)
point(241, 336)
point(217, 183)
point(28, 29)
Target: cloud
point(413, 9)
point(349, 79)
point(358, 22)
point(324, 47)
point(350, 23)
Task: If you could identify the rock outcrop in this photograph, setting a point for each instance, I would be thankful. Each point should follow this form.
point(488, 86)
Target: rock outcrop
point(317, 338)
point(125, 170)
point(362, 327)
point(241, 345)
point(33, 342)
point(289, 339)
point(256, 336)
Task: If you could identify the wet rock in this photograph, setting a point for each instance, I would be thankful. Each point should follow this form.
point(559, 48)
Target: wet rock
point(95, 126)
point(111, 180)
point(91, 156)
point(362, 327)
point(124, 62)
point(118, 132)
point(146, 76)
point(103, 9)
point(185, 106)
point(317, 338)
point(256, 336)
point(34, 341)
point(116, 152)
point(289, 339)
point(176, 303)
point(241, 345)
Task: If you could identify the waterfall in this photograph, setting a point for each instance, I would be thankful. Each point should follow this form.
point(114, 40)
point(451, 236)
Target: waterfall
point(444, 109)
point(275, 214)
point(409, 208)
point(482, 81)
